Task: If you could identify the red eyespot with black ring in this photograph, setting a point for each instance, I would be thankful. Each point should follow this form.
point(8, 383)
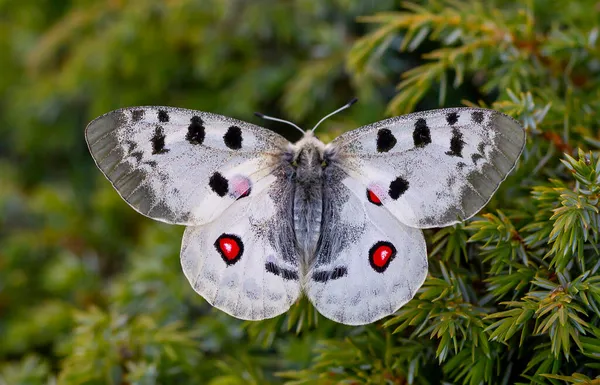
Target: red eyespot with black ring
point(380, 255)
point(230, 247)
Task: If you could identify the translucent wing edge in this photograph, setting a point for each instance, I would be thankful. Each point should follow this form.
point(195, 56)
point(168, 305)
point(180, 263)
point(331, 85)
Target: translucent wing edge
point(100, 142)
point(507, 129)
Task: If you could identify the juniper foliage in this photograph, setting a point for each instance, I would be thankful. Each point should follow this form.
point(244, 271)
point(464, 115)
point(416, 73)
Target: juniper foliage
point(92, 293)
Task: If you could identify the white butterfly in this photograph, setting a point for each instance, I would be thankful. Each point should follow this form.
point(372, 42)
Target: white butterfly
point(268, 219)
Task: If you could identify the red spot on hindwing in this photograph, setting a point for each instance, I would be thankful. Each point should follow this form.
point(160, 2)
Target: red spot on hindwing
point(230, 247)
point(373, 198)
point(380, 255)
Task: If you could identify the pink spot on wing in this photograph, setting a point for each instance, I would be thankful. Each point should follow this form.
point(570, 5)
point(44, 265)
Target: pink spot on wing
point(240, 186)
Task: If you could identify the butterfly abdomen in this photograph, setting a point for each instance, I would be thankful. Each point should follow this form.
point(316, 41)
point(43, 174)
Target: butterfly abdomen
point(308, 196)
point(308, 202)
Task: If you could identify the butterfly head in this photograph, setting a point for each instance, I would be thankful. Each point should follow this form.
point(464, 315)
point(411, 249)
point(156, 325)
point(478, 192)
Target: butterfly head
point(308, 153)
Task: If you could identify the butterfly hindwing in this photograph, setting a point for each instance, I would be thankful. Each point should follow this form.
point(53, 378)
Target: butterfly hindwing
point(181, 166)
point(433, 168)
point(368, 264)
point(245, 261)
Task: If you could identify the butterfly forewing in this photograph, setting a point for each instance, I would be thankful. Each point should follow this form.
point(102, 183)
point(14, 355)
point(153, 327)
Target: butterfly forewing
point(180, 166)
point(433, 168)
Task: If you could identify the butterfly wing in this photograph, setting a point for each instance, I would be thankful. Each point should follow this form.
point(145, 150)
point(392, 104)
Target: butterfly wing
point(245, 262)
point(368, 264)
point(432, 168)
point(222, 177)
point(181, 166)
point(384, 182)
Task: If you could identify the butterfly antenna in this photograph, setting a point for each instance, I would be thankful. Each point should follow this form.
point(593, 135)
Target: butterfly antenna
point(263, 116)
point(347, 105)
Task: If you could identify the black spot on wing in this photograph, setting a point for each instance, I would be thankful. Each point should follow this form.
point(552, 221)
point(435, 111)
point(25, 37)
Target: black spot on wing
point(163, 116)
point(278, 271)
point(477, 116)
point(456, 143)
point(289, 274)
point(320, 276)
point(421, 134)
point(233, 138)
point(324, 276)
point(476, 157)
point(385, 140)
point(272, 268)
point(196, 132)
point(338, 272)
point(133, 152)
point(137, 115)
point(138, 155)
point(398, 187)
point(158, 141)
point(452, 118)
point(219, 184)
point(481, 152)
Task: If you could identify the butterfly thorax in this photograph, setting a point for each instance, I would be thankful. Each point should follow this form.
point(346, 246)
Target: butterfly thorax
point(308, 197)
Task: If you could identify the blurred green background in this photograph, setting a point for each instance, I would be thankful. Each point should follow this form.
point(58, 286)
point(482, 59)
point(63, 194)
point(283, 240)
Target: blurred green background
point(92, 292)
